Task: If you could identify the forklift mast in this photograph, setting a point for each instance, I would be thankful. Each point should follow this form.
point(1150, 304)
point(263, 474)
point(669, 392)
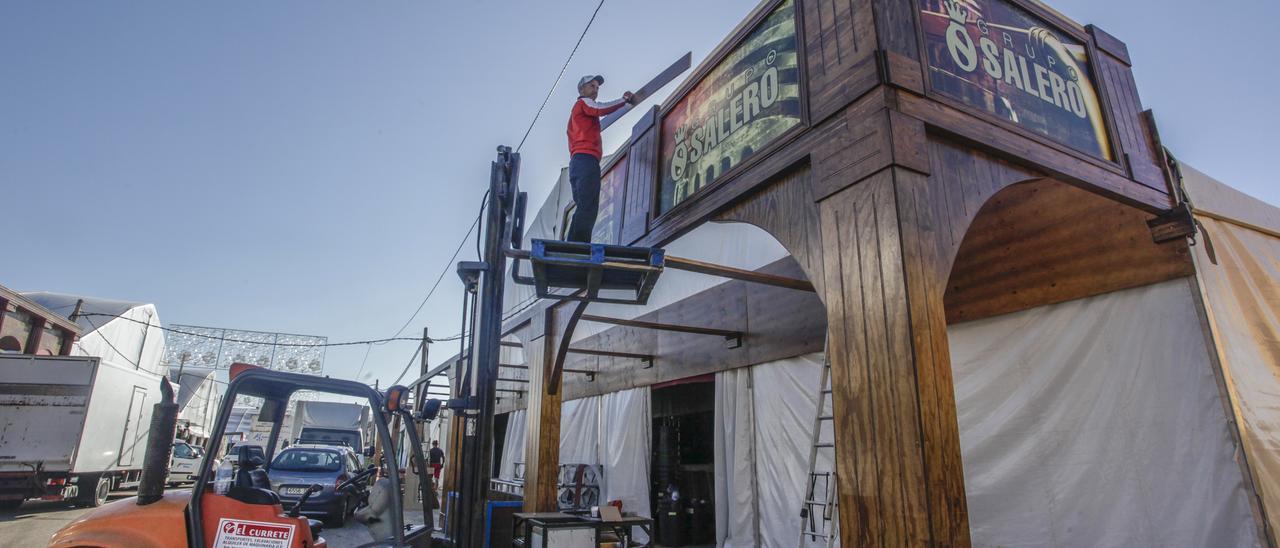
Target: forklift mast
point(502, 227)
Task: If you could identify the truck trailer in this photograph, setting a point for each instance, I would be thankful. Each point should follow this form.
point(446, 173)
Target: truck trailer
point(71, 427)
point(331, 423)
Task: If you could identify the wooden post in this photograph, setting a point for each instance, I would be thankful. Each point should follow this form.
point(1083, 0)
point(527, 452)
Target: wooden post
point(542, 443)
point(900, 480)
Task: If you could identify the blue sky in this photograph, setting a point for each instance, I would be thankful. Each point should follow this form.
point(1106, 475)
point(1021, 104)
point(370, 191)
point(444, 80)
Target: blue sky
point(309, 167)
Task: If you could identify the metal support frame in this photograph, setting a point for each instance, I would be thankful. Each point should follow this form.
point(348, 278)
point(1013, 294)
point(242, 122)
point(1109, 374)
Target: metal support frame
point(647, 358)
point(732, 339)
point(591, 375)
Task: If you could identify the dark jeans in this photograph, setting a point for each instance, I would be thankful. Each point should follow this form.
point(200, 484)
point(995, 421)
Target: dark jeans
point(584, 176)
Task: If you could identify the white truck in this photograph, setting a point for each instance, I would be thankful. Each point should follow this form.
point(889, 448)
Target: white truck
point(71, 427)
point(331, 423)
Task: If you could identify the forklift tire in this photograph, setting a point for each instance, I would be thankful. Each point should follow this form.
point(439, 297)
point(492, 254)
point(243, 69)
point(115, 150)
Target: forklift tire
point(93, 498)
point(339, 518)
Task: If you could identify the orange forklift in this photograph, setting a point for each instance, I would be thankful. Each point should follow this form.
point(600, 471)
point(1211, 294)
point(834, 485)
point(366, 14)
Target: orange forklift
point(239, 508)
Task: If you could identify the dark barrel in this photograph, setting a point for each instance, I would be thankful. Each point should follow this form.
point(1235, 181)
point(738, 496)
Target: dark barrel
point(155, 465)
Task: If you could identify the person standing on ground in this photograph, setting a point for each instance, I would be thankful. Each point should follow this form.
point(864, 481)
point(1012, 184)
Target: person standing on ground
point(585, 151)
point(436, 459)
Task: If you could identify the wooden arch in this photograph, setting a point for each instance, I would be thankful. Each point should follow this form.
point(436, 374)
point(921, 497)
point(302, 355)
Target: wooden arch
point(882, 252)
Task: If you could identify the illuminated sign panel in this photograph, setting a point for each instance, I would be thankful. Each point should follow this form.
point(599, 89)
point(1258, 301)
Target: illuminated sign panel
point(997, 57)
point(741, 106)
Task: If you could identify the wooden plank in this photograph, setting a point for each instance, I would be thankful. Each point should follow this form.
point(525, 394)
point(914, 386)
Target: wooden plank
point(839, 42)
point(857, 143)
point(894, 447)
point(1068, 167)
point(658, 82)
point(542, 441)
point(1109, 44)
point(786, 209)
point(926, 265)
point(663, 326)
point(642, 169)
point(896, 27)
point(1120, 93)
point(691, 265)
point(1046, 242)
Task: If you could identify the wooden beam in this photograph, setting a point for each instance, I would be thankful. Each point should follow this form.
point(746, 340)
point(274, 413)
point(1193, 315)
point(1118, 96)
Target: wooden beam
point(732, 338)
point(691, 265)
point(542, 443)
point(36, 335)
point(562, 349)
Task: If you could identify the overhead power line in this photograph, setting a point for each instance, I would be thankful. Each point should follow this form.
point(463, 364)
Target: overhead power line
point(108, 341)
point(300, 345)
point(559, 76)
point(444, 271)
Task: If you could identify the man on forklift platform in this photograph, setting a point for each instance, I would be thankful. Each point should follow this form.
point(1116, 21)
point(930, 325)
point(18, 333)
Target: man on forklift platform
point(585, 151)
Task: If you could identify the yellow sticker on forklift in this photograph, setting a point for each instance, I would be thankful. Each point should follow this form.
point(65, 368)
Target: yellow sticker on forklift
point(239, 533)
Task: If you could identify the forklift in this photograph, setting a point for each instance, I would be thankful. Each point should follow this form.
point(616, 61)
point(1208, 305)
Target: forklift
point(249, 513)
point(241, 509)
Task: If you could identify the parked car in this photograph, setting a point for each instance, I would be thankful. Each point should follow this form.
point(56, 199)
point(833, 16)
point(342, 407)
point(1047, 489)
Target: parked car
point(233, 452)
point(298, 467)
point(183, 465)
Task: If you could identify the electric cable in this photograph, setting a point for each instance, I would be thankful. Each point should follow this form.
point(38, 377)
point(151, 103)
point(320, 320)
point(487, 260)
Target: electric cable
point(560, 76)
point(108, 341)
point(364, 361)
point(298, 345)
point(406, 367)
point(432, 291)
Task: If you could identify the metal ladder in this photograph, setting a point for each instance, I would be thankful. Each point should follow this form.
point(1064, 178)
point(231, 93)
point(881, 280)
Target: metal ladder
point(818, 515)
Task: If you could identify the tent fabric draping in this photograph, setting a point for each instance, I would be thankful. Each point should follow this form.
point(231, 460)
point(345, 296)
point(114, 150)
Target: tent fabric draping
point(735, 471)
point(1097, 422)
point(513, 444)
point(611, 430)
point(580, 431)
point(1085, 423)
point(625, 434)
point(763, 434)
point(1242, 300)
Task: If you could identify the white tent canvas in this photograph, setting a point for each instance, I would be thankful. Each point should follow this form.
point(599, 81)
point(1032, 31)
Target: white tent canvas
point(123, 332)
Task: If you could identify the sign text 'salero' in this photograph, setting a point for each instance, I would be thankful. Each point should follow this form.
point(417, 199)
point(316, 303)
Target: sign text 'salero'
point(997, 57)
point(739, 108)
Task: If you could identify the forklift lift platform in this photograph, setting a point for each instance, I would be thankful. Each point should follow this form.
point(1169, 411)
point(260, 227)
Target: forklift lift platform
point(628, 274)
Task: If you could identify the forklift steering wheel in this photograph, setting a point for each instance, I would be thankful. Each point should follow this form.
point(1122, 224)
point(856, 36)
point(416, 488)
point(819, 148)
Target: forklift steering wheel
point(357, 478)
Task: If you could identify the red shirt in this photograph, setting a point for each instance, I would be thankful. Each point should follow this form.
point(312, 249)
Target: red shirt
point(584, 125)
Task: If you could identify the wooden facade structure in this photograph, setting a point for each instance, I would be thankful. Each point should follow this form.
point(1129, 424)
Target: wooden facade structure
point(906, 210)
point(28, 328)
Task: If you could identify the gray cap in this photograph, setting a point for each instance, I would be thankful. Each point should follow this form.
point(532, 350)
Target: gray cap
point(583, 81)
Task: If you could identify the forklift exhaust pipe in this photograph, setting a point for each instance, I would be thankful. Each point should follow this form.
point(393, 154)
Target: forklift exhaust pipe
point(155, 465)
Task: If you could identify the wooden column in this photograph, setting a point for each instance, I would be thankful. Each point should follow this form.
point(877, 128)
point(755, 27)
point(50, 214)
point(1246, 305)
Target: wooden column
point(900, 480)
point(454, 441)
point(542, 441)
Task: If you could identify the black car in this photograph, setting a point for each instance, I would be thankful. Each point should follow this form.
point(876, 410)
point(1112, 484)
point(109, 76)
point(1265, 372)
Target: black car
point(298, 467)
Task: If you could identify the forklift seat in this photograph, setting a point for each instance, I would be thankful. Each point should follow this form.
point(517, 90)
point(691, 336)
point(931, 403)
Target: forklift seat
point(252, 486)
